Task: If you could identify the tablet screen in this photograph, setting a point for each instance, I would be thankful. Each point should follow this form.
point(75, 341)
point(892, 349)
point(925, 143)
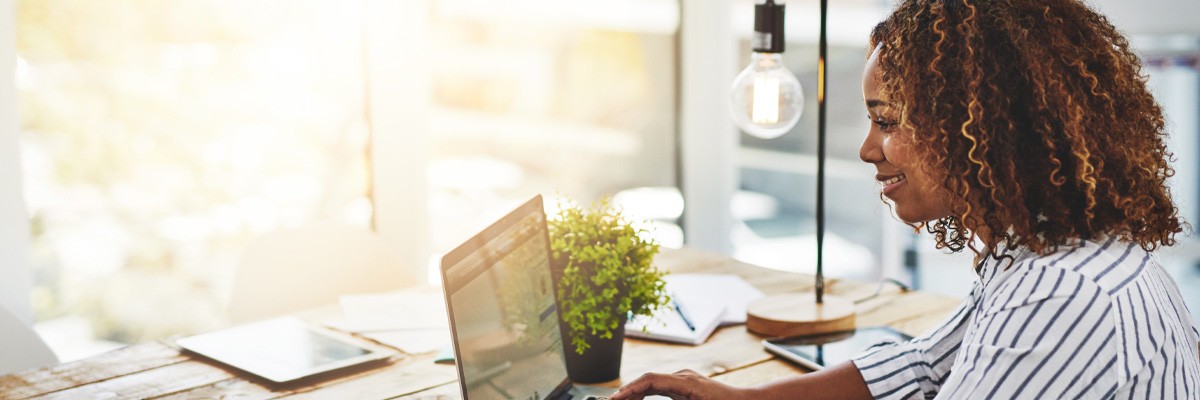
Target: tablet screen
point(281, 349)
point(320, 349)
point(819, 351)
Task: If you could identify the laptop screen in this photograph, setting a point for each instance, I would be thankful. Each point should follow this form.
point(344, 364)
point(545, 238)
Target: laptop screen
point(500, 296)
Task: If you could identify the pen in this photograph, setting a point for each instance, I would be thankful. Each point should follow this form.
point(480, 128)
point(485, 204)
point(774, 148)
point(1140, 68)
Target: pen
point(683, 314)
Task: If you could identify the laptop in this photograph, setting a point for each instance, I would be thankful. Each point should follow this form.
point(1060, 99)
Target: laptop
point(503, 315)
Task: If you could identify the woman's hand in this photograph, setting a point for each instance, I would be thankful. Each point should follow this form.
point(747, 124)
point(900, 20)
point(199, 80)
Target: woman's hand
point(839, 382)
point(686, 384)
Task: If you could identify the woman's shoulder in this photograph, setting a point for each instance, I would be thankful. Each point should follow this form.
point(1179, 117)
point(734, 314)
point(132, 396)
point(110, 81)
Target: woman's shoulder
point(1110, 263)
point(1115, 289)
point(1091, 269)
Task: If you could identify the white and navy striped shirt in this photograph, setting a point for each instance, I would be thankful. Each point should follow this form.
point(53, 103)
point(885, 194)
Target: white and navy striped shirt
point(1093, 321)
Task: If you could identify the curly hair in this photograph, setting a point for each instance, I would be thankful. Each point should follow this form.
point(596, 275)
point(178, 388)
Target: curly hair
point(1034, 115)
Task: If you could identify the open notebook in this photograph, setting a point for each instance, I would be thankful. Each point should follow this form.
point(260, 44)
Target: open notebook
point(668, 324)
point(709, 301)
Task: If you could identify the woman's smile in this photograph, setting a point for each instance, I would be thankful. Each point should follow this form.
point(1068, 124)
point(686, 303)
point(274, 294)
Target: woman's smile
point(890, 183)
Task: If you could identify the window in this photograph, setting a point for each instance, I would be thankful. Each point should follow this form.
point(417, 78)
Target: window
point(548, 97)
point(158, 137)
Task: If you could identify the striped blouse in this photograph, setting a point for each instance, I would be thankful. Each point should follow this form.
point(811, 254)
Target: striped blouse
point(1094, 321)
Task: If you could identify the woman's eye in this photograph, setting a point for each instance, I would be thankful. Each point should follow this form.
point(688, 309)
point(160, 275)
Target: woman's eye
point(884, 124)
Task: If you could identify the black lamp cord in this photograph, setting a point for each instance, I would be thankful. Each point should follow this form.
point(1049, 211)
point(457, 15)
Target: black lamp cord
point(879, 289)
point(822, 48)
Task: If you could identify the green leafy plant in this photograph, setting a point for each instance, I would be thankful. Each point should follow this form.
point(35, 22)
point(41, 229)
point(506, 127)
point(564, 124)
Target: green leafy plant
point(608, 273)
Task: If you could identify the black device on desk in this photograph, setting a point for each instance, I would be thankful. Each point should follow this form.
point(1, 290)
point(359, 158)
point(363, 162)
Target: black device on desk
point(820, 351)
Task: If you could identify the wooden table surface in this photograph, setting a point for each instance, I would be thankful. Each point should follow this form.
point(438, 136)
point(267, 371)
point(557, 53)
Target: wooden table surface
point(158, 370)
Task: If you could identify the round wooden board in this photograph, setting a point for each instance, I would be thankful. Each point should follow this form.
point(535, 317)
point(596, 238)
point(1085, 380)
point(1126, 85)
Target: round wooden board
point(799, 314)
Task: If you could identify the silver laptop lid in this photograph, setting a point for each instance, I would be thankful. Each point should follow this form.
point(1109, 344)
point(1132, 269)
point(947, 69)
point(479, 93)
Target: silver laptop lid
point(500, 296)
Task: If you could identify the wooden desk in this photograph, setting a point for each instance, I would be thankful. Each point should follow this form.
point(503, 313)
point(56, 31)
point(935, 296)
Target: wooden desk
point(159, 371)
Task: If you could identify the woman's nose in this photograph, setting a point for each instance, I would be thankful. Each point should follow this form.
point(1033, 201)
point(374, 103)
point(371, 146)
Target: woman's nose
point(870, 151)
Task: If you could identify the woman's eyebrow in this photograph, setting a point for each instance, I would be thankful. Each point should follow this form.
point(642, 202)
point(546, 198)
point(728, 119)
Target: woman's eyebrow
point(872, 103)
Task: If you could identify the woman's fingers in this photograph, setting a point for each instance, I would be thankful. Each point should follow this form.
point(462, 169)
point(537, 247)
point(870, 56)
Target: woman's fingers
point(648, 385)
point(686, 384)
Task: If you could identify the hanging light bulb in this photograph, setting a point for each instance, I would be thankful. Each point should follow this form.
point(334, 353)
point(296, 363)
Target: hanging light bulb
point(766, 99)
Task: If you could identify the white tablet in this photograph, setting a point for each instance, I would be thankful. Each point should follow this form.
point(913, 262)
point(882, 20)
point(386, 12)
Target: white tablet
point(283, 349)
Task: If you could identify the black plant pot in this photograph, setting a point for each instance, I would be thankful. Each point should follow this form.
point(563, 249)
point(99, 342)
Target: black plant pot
point(601, 362)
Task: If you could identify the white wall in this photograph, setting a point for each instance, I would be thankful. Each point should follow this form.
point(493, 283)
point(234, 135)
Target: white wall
point(15, 275)
point(1156, 17)
point(1177, 90)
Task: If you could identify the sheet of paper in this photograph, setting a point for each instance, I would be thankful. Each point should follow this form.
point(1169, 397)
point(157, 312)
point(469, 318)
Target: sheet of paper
point(413, 341)
point(730, 290)
point(401, 310)
point(412, 320)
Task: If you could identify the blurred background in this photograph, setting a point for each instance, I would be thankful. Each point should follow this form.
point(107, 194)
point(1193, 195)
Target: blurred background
point(158, 138)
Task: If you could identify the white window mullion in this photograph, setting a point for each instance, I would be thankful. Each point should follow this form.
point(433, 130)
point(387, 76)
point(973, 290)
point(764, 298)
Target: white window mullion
point(708, 139)
point(16, 278)
point(399, 95)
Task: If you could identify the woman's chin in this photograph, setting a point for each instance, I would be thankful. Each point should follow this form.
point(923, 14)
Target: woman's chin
point(917, 216)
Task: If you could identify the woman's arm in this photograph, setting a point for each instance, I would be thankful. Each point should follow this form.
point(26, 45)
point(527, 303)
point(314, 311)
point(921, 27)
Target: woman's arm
point(894, 370)
point(839, 382)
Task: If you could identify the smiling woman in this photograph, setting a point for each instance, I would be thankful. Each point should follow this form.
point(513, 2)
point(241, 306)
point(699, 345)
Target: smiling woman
point(889, 146)
point(1024, 131)
point(1072, 145)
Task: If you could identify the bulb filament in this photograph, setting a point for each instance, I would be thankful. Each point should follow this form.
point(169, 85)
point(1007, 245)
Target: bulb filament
point(766, 100)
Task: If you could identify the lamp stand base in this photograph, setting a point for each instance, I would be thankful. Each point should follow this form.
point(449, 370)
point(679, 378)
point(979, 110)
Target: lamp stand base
point(798, 315)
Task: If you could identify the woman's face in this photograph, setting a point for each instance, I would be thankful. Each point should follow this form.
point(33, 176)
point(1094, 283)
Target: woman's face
point(917, 196)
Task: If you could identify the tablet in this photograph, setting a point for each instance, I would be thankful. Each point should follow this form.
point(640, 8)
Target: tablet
point(818, 351)
point(283, 349)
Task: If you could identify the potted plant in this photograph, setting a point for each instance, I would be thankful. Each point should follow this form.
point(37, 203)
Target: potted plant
point(604, 273)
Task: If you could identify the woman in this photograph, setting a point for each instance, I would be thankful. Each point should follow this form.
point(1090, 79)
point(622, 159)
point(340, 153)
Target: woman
point(1023, 131)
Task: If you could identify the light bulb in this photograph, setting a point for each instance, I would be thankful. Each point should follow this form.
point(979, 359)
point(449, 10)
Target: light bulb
point(766, 100)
